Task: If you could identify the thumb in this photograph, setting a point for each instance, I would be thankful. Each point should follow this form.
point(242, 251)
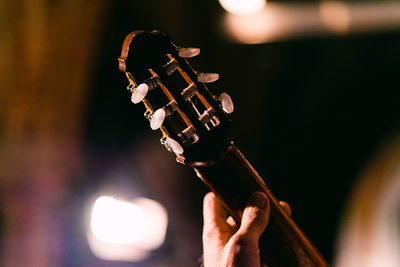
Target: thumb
point(255, 216)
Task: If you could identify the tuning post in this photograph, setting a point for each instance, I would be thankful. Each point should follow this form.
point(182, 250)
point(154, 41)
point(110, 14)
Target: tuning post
point(188, 135)
point(189, 52)
point(226, 103)
point(208, 77)
point(189, 91)
point(207, 116)
point(171, 66)
point(140, 91)
point(153, 81)
point(170, 108)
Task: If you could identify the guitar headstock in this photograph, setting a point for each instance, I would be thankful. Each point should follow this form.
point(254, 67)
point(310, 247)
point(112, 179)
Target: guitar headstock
point(193, 122)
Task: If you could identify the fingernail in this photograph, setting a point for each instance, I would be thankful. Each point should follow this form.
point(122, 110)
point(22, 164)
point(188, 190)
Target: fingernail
point(258, 200)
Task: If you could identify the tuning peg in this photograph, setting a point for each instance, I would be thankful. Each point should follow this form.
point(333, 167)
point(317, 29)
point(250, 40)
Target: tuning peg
point(189, 52)
point(139, 93)
point(174, 145)
point(208, 77)
point(226, 103)
point(157, 119)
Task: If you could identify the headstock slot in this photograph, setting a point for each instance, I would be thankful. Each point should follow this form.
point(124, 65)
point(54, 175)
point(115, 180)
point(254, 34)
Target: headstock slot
point(202, 93)
point(171, 98)
point(156, 96)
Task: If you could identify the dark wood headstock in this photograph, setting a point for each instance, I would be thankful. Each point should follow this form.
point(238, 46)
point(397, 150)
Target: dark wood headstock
point(192, 121)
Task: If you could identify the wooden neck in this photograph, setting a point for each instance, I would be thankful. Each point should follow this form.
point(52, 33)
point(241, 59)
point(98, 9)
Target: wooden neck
point(233, 180)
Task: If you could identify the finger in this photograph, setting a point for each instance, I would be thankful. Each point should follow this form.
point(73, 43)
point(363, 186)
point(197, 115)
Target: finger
point(243, 246)
point(214, 213)
point(255, 216)
point(286, 207)
point(232, 223)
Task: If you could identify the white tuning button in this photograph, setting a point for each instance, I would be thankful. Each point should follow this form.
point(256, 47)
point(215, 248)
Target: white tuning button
point(208, 77)
point(139, 93)
point(189, 52)
point(157, 119)
point(226, 103)
point(174, 145)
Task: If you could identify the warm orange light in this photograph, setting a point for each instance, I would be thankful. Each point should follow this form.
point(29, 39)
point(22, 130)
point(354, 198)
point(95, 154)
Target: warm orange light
point(335, 15)
point(280, 21)
point(243, 7)
point(252, 29)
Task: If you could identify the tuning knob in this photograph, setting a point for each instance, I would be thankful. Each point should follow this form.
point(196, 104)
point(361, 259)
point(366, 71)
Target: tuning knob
point(226, 103)
point(189, 52)
point(208, 77)
point(174, 145)
point(139, 93)
point(157, 119)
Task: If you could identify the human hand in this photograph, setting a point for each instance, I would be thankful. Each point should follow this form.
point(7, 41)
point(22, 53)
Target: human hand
point(225, 244)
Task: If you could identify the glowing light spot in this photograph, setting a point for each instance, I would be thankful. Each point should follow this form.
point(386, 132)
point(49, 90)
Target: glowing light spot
point(335, 15)
point(157, 221)
point(117, 222)
point(282, 21)
point(257, 28)
point(126, 231)
point(242, 7)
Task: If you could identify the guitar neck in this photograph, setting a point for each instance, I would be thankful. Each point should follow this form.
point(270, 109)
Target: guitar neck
point(233, 180)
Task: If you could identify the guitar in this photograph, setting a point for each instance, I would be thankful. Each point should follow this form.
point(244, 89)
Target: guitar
point(195, 126)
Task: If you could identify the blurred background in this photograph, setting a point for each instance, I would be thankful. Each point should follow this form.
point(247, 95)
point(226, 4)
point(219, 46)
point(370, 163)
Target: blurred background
point(316, 92)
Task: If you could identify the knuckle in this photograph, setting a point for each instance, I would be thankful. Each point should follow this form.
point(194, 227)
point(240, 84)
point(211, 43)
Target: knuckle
point(243, 245)
point(211, 233)
point(240, 241)
point(255, 217)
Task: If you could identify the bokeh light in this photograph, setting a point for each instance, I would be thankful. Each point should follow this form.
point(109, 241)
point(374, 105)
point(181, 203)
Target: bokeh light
point(119, 222)
point(285, 21)
point(126, 231)
point(242, 7)
point(335, 15)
